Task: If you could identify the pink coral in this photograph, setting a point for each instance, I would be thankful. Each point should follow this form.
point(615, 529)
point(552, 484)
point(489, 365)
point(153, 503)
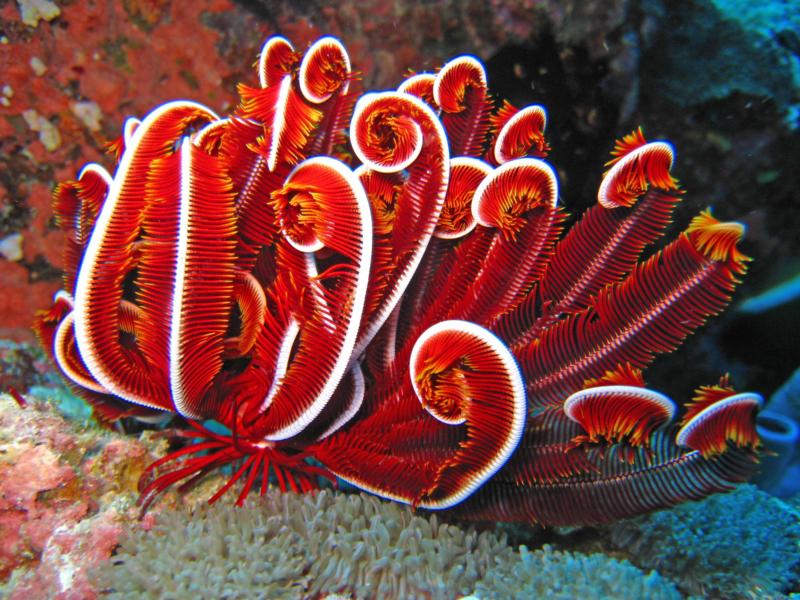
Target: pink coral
point(65, 492)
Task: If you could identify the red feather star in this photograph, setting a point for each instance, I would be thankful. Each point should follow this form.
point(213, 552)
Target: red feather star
point(379, 288)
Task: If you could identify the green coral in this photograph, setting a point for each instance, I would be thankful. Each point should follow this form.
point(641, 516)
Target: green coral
point(290, 546)
point(739, 545)
point(552, 574)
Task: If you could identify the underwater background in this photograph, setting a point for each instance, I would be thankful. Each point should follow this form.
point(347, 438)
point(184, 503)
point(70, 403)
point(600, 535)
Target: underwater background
point(719, 79)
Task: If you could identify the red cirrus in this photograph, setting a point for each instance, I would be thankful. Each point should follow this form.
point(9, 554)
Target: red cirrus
point(382, 283)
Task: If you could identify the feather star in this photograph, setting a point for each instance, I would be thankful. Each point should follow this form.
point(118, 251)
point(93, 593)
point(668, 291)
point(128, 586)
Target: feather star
point(379, 287)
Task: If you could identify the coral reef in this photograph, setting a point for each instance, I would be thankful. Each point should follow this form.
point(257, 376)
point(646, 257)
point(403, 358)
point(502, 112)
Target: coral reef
point(67, 499)
point(69, 74)
point(65, 492)
point(740, 545)
point(716, 49)
point(552, 574)
point(289, 546)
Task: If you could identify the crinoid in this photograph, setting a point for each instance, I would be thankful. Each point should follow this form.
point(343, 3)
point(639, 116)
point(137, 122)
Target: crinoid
point(383, 283)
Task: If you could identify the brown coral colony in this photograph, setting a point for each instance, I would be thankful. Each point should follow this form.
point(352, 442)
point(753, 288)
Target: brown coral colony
point(382, 282)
